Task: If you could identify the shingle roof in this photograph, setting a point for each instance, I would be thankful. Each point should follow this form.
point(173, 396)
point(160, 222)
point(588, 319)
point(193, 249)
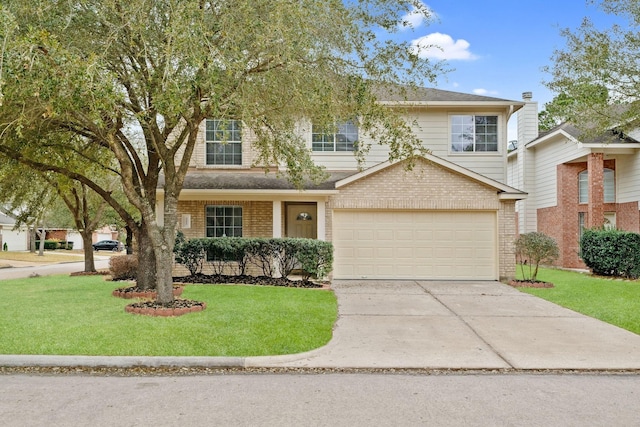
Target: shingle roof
point(258, 180)
point(607, 137)
point(425, 94)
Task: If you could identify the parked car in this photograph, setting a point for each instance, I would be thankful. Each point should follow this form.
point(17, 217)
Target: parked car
point(108, 245)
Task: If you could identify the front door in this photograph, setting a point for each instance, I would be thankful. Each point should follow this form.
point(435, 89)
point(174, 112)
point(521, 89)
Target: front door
point(302, 220)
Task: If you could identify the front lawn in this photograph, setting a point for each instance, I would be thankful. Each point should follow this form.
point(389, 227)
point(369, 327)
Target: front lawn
point(611, 300)
point(47, 256)
point(78, 316)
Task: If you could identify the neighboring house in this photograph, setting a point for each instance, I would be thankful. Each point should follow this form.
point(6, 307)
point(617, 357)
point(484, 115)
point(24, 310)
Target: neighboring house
point(573, 183)
point(451, 217)
point(16, 240)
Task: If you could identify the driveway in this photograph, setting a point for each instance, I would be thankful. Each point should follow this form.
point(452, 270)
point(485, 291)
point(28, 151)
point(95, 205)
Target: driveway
point(462, 325)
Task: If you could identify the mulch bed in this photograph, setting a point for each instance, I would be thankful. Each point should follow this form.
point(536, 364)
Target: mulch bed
point(219, 279)
point(177, 307)
point(136, 292)
point(530, 284)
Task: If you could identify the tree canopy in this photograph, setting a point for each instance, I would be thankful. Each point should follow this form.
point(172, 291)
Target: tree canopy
point(599, 71)
point(125, 85)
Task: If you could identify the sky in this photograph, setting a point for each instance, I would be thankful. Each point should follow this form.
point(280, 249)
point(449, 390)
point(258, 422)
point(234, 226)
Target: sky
point(498, 48)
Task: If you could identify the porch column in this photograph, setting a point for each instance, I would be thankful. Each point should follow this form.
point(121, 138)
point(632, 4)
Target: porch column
point(322, 221)
point(277, 218)
point(595, 166)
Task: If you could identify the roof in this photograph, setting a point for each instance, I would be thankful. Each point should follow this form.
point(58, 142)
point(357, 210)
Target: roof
point(418, 94)
point(573, 132)
point(250, 180)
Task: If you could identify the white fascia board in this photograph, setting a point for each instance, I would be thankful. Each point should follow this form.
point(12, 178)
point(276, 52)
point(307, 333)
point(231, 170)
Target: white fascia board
point(551, 136)
point(604, 147)
point(513, 196)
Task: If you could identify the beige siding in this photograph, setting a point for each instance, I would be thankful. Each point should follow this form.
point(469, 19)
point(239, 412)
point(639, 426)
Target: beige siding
point(627, 178)
point(547, 157)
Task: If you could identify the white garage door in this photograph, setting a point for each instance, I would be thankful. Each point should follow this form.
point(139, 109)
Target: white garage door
point(415, 245)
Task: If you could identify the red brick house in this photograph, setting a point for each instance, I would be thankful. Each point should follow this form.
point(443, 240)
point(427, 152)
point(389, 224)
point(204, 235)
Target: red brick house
point(573, 182)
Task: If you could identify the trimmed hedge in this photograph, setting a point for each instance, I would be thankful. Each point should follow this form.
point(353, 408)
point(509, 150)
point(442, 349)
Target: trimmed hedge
point(123, 267)
point(611, 252)
point(271, 256)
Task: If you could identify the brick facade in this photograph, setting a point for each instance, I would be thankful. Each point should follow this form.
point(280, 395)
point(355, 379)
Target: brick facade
point(431, 187)
point(561, 222)
point(427, 187)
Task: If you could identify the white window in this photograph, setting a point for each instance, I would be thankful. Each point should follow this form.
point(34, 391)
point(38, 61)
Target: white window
point(224, 221)
point(343, 137)
point(583, 187)
point(609, 186)
point(224, 142)
point(471, 133)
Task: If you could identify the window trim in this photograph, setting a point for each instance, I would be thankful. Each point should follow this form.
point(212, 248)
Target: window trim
point(499, 132)
point(213, 142)
point(335, 150)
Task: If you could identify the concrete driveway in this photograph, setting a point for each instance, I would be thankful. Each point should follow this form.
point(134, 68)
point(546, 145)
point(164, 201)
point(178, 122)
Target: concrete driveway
point(462, 325)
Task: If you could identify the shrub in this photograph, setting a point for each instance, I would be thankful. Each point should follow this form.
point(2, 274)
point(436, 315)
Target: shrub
point(124, 267)
point(271, 256)
point(316, 257)
point(611, 252)
point(49, 245)
point(5, 247)
point(189, 253)
point(533, 249)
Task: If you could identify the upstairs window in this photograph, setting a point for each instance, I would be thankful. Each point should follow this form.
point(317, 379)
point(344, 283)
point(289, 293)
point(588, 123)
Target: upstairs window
point(474, 134)
point(609, 186)
point(224, 142)
point(343, 138)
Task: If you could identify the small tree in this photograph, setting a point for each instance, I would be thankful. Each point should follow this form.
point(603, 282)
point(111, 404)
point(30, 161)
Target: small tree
point(533, 249)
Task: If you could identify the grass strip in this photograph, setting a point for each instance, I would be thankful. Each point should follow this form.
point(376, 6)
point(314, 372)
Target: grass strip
point(611, 300)
point(61, 315)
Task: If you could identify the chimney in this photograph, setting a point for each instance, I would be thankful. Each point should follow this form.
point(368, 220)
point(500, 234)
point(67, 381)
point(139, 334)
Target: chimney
point(527, 120)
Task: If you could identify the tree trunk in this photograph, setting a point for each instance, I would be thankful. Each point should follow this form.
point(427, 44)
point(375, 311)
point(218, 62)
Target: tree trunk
point(164, 259)
point(147, 264)
point(128, 243)
point(89, 262)
point(43, 235)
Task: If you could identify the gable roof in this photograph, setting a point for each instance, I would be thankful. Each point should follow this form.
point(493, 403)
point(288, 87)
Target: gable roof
point(505, 191)
point(570, 131)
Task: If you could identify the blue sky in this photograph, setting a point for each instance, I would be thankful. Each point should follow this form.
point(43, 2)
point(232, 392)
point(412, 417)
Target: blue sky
point(498, 47)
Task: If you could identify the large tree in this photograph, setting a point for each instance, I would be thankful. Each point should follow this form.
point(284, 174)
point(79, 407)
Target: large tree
point(137, 77)
point(598, 71)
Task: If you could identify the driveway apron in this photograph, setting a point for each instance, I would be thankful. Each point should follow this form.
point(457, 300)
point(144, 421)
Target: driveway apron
point(462, 325)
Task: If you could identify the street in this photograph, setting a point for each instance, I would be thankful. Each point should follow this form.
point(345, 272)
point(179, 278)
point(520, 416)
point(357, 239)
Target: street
point(353, 399)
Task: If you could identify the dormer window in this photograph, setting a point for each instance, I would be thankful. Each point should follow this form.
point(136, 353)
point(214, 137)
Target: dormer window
point(473, 134)
point(224, 142)
point(343, 137)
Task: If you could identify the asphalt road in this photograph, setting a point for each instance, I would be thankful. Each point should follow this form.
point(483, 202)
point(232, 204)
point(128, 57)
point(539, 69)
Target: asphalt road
point(321, 400)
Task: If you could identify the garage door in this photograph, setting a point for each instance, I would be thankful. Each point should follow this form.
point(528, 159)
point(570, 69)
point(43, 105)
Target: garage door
point(415, 245)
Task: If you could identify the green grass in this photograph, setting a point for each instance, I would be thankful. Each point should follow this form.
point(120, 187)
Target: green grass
point(78, 316)
point(613, 301)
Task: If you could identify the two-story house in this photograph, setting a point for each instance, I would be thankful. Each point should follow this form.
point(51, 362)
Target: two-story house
point(451, 217)
point(573, 182)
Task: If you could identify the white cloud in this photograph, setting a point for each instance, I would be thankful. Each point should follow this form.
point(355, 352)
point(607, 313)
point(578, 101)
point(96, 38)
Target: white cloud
point(442, 46)
point(415, 18)
point(481, 91)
